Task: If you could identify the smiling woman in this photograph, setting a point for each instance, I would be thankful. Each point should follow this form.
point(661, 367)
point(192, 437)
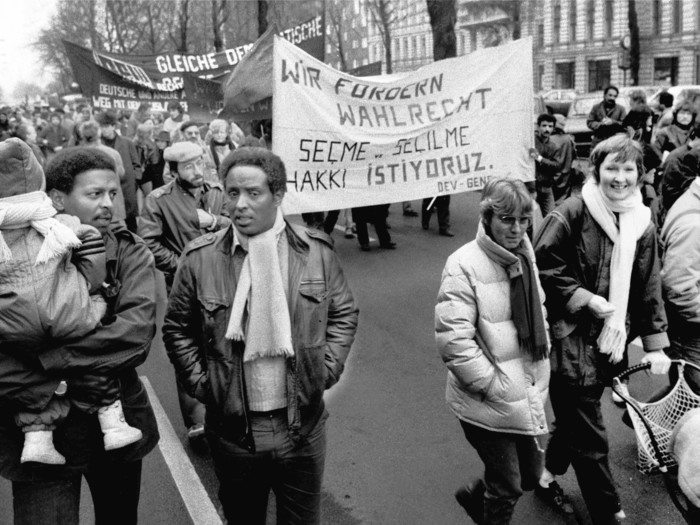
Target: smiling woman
point(599, 266)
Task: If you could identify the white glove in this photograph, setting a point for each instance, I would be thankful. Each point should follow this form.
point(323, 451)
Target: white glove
point(205, 219)
point(660, 362)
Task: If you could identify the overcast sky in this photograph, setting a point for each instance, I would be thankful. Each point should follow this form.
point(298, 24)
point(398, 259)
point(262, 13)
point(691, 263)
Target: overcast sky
point(22, 20)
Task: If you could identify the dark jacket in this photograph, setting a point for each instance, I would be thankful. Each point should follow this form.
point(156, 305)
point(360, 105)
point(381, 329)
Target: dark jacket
point(116, 348)
point(324, 321)
point(550, 165)
point(573, 256)
point(169, 220)
point(132, 171)
point(54, 137)
point(603, 131)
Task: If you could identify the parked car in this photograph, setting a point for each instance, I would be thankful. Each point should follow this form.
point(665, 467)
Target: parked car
point(578, 115)
point(680, 94)
point(559, 100)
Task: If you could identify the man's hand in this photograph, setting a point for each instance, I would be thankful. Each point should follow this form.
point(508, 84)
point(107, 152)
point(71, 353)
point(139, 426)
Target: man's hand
point(600, 307)
point(205, 219)
point(606, 121)
point(535, 155)
point(660, 362)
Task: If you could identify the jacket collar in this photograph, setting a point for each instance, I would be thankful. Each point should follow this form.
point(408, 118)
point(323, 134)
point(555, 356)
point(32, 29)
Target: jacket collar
point(295, 238)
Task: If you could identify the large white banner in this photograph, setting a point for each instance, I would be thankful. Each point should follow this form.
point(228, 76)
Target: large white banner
point(445, 128)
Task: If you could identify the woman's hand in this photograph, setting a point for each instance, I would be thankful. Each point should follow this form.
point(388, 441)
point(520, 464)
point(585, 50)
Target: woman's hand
point(660, 362)
point(600, 307)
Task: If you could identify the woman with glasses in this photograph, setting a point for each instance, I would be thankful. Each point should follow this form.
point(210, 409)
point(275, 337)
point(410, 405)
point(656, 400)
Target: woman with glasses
point(491, 333)
point(599, 266)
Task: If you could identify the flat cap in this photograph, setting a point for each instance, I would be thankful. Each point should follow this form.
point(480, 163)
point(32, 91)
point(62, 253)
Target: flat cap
point(182, 152)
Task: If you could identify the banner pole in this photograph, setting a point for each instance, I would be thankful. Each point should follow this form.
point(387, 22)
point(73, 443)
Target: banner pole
point(431, 203)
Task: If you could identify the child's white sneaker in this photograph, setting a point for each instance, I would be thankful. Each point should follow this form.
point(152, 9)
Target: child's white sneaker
point(38, 447)
point(117, 432)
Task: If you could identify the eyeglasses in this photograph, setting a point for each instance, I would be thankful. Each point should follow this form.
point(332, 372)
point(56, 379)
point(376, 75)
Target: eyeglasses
point(510, 220)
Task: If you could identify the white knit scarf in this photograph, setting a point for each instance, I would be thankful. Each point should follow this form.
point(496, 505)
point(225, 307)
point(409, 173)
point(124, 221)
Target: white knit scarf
point(634, 219)
point(260, 287)
point(35, 209)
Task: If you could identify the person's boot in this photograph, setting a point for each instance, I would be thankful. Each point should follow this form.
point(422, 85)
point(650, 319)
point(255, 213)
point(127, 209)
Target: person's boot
point(38, 447)
point(117, 432)
point(471, 498)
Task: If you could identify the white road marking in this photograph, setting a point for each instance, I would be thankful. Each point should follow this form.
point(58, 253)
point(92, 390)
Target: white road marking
point(195, 497)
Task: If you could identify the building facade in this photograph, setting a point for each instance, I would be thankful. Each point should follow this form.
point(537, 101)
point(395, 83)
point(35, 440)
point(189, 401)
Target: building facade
point(578, 44)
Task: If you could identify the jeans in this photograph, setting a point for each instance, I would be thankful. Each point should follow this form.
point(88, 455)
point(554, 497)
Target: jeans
point(294, 472)
point(579, 439)
point(512, 464)
point(115, 490)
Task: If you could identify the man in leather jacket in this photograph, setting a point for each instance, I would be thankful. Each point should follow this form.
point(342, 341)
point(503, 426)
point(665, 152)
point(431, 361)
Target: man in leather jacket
point(259, 324)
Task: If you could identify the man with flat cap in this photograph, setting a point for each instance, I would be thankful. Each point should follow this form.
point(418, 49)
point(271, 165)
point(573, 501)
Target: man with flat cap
point(172, 216)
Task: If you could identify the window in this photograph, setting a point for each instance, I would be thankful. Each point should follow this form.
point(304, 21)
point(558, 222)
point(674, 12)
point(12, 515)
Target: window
point(564, 75)
point(472, 43)
point(677, 17)
point(656, 17)
point(540, 36)
point(590, 19)
point(608, 18)
point(556, 22)
point(540, 77)
point(572, 20)
point(598, 74)
point(666, 70)
point(697, 15)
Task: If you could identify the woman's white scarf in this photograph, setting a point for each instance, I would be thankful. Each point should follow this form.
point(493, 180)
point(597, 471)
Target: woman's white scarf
point(634, 219)
point(260, 287)
point(36, 210)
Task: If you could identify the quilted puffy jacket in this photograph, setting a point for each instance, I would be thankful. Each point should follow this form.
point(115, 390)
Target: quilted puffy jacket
point(491, 382)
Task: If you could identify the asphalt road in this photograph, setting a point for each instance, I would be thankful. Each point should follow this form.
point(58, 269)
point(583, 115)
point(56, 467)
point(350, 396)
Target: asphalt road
point(395, 452)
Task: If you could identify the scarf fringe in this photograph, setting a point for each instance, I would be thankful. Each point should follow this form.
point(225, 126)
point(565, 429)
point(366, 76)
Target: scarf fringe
point(538, 352)
point(272, 352)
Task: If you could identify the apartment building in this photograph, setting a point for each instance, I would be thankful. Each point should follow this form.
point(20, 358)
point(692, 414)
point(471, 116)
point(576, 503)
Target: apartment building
point(578, 44)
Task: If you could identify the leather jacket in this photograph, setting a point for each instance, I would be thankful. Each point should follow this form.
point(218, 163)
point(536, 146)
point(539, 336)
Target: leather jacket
point(324, 320)
point(169, 220)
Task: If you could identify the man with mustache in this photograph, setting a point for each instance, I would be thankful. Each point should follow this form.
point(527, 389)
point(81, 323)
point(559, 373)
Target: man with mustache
point(259, 324)
point(172, 216)
point(547, 162)
point(605, 118)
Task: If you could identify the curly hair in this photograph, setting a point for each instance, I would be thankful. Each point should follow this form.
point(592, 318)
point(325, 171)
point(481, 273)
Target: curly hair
point(67, 164)
point(262, 158)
